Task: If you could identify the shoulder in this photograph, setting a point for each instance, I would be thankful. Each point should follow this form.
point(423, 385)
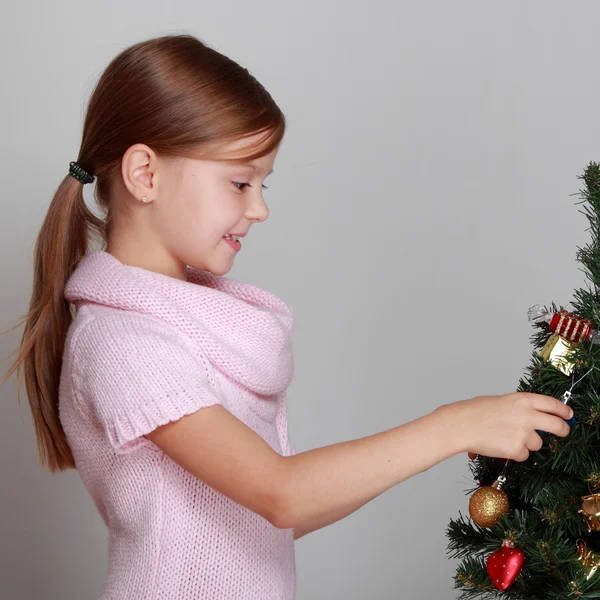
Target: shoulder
point(109, 341)
point(95, 324)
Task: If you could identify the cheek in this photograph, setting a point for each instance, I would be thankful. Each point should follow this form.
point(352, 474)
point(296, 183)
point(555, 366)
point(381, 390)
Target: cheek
point(191, 224)
point(179, 223)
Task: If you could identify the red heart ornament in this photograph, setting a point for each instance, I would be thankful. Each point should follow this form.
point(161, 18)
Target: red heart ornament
point(504, 565)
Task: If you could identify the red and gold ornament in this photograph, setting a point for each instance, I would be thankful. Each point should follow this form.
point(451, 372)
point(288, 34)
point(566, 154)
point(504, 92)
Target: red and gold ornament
point(568, 329)
point(504, 565)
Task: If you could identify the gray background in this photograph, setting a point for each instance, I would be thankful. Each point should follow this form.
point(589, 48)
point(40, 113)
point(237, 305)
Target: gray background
point(420, 204)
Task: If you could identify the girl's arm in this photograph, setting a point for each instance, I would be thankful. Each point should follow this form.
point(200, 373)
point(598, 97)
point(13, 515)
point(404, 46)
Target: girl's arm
point(308, 490)
point(350, 474)
point(312, 489)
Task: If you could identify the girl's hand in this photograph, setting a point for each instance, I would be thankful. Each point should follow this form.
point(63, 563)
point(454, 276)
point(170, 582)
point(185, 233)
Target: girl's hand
point(505, 426)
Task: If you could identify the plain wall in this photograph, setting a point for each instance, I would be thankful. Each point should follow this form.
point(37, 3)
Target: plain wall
point(421, 202)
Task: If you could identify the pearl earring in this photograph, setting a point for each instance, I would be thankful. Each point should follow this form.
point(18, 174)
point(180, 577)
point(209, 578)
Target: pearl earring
point(144, 199)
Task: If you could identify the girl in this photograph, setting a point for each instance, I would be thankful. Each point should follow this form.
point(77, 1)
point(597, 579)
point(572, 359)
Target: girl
point(124, 345)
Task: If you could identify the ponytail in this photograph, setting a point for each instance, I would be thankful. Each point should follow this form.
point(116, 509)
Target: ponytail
point(61, 242)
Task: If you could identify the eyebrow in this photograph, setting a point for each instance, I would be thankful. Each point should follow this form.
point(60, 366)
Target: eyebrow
point(257, 169)
point(245, 164)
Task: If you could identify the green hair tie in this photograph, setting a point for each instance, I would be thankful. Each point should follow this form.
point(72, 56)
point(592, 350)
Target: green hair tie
point(80, 174)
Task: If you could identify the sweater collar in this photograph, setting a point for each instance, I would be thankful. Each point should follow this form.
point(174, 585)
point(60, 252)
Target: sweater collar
point(245, 331)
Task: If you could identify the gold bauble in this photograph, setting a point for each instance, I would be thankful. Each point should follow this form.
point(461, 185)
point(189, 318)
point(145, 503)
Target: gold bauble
point(489, 504)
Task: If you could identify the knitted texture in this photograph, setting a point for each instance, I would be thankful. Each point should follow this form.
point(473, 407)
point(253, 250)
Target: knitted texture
point(145, 349)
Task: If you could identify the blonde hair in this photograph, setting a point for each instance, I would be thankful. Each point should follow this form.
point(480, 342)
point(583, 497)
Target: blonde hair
point(179, 97)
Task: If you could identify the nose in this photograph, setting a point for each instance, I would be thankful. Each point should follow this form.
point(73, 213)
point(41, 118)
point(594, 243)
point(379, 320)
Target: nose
point(257, 209)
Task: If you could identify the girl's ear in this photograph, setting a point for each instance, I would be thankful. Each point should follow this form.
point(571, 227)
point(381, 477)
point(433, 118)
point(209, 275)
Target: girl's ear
point(138, 169)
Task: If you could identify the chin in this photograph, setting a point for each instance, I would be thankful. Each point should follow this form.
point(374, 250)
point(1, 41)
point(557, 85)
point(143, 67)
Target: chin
point(219, 272)
point(209, 266)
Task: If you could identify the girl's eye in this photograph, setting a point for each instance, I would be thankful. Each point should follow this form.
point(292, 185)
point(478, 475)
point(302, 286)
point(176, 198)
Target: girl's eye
point(243, 185)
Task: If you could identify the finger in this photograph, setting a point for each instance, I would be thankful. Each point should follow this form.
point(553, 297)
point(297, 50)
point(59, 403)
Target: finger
point(551, 405)
point(535, 441)
point(522, 455)
point(551, 424)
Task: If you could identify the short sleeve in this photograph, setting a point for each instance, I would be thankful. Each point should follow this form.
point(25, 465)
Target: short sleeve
point(135, 373)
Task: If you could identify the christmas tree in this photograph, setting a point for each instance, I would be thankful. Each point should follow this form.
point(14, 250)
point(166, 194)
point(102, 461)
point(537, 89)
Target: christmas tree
point(533, 530)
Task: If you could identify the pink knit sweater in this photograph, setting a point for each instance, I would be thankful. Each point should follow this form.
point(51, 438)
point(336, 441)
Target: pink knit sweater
point(145, 349)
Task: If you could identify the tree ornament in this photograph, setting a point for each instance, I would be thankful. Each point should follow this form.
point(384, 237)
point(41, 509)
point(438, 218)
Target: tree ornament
point(568, 329)
point(590, 560)
point(504, 565)
point(556, 351)
point(590, 510)
point(565, 399)
point(489, 504)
